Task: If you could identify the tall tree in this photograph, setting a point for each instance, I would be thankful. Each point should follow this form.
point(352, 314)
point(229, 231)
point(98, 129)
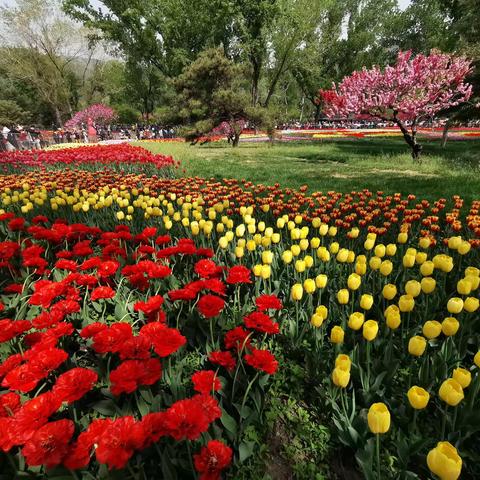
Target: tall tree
point(41, 46)
point(168, 34)
point(296, 23)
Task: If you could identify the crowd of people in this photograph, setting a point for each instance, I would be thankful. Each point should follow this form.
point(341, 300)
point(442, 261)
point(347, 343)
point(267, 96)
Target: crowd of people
point(21, 138)
point(27, 138)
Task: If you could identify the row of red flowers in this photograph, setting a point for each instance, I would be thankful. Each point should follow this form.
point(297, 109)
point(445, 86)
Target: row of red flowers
point(121, 153)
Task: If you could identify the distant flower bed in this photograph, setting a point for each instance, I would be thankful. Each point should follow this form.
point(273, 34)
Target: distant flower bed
point(111, 155)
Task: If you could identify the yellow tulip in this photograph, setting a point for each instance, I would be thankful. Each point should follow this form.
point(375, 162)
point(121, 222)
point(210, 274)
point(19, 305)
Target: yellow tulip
point(464, 248)
point(450, 326)
point(287, 256)
point(321, 281)
point(337, 335)
point(418, 397)
point(389, 291)
point(316, 320)
point(408, 261)
point(413, 288)
point(240, 230)
point(378, 418)
point(432, 329)
point(366, 301)
point(340, 377)
point(476, 359)
point(120, 215)
point(267, 257)
point(464, 287)
point(322, 310)
point(451, 392)
point(223, 242)
point(391, 249)
point(323, 229)
point(303, 244)
point(444, 461)
point(315, 242)
point(402, 237)
point(406, 303)
point(386, 268)
point(343, 361)
point(265, 272)
point(370, 330)
point(354, 233)
point(343, 296)
point(300, 266)
point(454, 242)
point(462, 376)
point(428, 285)
point(471, 304)
point(368, 244)
point(474, 271)
point(455, 305)
point(360, 268)
point(424, 242)
point(308, 261)
point(351, 257)
point(295, 250)
point(355, 320)
point(297, 291)
point(393, 318)
point(380, 250)
point(342, 255)
point(354, 281)
point(420, 258)
point(475, 281)
point(309, 285)
point(416, 346)
point(257, 270)
point(334, 247)
point(375, 263)
point(427, 268)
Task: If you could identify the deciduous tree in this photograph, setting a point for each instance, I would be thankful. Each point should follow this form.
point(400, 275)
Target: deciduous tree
point(404, 93)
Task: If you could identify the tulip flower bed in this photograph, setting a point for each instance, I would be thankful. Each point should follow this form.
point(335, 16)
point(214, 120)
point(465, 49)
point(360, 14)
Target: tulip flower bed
point(116, 344)
point(152, 340)
point(114, 156)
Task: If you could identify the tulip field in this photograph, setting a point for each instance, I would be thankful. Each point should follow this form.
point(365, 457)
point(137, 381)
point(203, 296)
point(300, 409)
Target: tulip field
point(154, 325)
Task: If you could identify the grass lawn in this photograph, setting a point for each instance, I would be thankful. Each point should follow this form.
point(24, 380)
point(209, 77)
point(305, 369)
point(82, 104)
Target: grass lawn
point(342, 165)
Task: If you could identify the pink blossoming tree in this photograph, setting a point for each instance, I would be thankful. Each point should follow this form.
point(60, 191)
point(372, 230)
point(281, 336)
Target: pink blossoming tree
point(98, 113)
point(405, 93)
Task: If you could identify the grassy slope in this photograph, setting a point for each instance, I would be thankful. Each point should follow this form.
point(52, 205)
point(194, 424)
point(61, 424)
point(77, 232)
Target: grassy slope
point(343, 165)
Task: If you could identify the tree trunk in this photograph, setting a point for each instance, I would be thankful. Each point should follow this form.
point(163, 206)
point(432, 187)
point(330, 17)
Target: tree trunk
point(318, 110)
point(410, 138)
point(255, 80)
point(58, 117)
point(236, 140)
point(445, 133)
point(276, 78)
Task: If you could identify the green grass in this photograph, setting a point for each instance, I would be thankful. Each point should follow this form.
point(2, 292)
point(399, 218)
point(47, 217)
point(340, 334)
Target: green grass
point(343, 165)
